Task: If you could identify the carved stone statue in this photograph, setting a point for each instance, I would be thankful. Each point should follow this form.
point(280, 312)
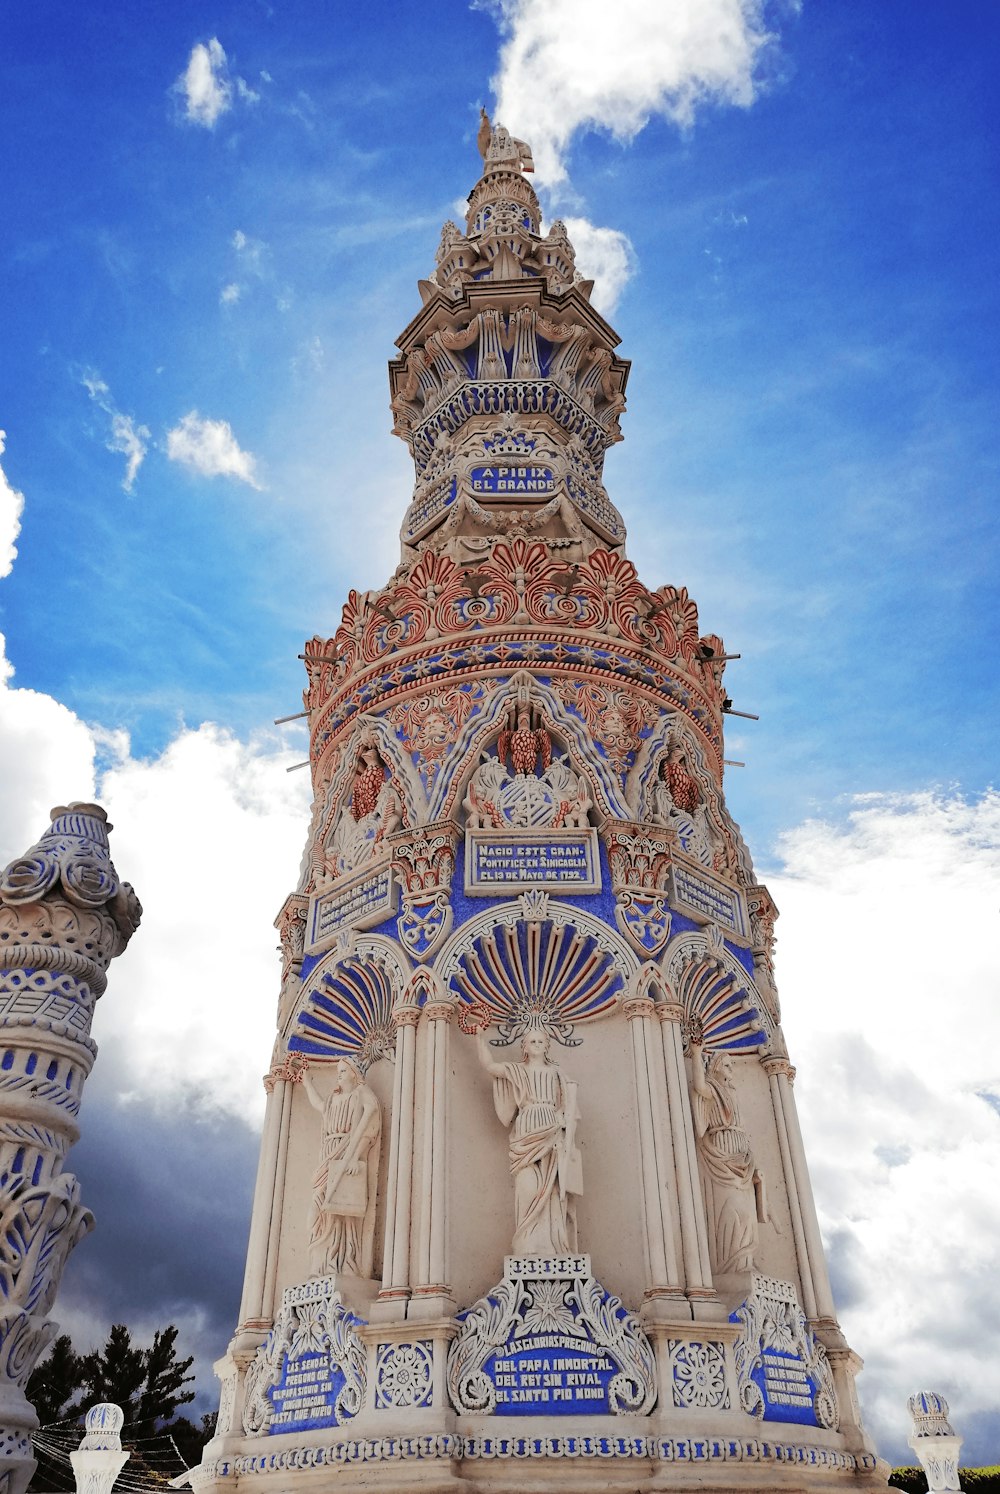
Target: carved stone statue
point(677, 803)
point(678, 780)
point(728, 1161)
point(342, 1215)
point(372, 813)
point(540, 1107)
point(525, 746)
point(526, 786)
point(499, 149)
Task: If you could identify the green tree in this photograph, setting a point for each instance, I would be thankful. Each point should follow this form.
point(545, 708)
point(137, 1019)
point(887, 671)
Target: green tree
point(163, 1389)
point(56, 1381)
point(115, 1373)
point(189, 1439)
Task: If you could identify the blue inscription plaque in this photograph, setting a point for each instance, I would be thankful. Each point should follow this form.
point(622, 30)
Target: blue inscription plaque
point(549, 1340)
point(563, 860)
point(782, 1368)
point(306, 1395)
point(512, 482)
point(708, 897)
point(358, 905)
point(310, 1371)
point(789, 1391)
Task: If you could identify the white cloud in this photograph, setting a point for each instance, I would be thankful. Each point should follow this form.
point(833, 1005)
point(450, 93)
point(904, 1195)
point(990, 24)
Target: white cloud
point(253, 262)
point(605, 256)
point(46, 757)
point(11, 508)
point(190, 1006)
point(210, 833)
point(888, 971)
point(567, 65)
point(128, 437)
point(209, 447)
point(252, 252)
point(204, 84)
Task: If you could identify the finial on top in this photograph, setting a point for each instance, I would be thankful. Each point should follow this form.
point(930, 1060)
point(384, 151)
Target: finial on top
point(485, 131)
point(499, 150)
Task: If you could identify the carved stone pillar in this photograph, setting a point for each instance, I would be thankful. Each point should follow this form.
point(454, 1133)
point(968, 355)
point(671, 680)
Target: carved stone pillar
point(291, 926)
point(257, 1304)
point(64, 916)
point(430, 1291)
point(774, 1068)
point(698, 1287)
point(825, 1314)
point(392, 1299)
point(659, 1186)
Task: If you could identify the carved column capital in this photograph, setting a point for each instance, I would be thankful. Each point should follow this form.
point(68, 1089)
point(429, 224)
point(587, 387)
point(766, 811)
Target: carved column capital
point(778, 1066)
point(406, 1016)
point(289, 1070)
point(670, 1011)
point(638, 1006)
point(440, 1011)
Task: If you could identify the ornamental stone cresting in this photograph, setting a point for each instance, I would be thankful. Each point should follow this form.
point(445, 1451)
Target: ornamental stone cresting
point(531, 1185)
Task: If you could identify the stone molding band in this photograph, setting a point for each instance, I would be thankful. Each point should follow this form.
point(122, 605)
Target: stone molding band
point(454, 1447)
point(49, 957)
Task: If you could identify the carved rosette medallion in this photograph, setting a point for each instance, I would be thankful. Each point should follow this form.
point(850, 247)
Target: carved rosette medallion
point(698, 1372)
point(403, 1375)
point(549, 1340)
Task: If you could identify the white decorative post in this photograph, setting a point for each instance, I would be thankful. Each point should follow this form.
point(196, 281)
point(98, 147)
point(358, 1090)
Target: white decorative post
point(99, 1459)
point(64, 916)
point(934, 1441)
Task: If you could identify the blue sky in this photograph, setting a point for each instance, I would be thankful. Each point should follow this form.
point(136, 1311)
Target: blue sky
point(207, 256)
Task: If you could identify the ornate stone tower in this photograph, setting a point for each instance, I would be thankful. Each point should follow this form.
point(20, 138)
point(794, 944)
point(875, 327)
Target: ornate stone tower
point(64, 916)
point(531, 1184)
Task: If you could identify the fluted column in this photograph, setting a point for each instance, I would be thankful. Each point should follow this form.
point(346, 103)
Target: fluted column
point(64, 915)
point(819, 1278)
point(691, 1206)
point(430, 1281)
point(399, 1189)
point(659, 1186)
point(774, 1068)
point(257, 1304)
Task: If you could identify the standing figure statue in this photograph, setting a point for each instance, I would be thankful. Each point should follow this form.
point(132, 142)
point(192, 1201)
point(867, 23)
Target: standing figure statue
point(342, 1215)
point(540, 1107)
point(725, 1154)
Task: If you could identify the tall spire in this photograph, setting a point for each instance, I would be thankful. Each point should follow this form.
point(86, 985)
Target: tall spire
point(519, 825)
point(508, 391)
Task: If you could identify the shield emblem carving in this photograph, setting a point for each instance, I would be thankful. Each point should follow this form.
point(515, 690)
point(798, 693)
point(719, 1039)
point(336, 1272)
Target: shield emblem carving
point(644, 919)
point(424, 921)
